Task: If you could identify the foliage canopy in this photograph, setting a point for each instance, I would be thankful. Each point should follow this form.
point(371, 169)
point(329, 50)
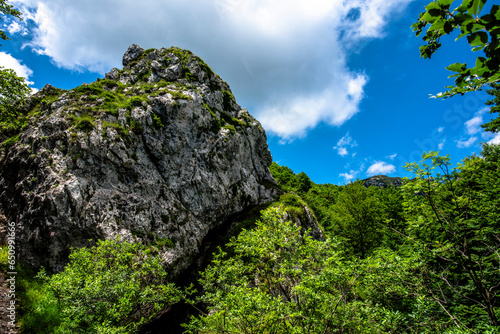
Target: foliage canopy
point(7, 9)
point(482, 33)
point(453, 219)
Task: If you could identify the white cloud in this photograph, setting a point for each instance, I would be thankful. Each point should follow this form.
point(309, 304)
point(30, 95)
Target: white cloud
point(284, 59)
point(473, 125)
point(392, 156)
point(7, 61)
point(342, 151)
point(487, 135)
point(441, 144)
point(344, 142)
point(440, 129)
point(349, 176)
point(466, 143)
point(495, 140)
point(380, 167)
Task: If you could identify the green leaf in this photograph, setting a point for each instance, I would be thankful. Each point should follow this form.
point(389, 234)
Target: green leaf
point(464, 7)
point(433, 12)
point(438, 24)
point(477, 38)
point(463, 18)
point(448, 27)
point(495, 11)
point(457, 67)
point(477, 6)
point(431, 6)
point(445, 3)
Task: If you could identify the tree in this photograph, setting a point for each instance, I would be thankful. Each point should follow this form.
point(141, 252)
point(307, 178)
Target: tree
point(494, 124)
point(283, 175)
point(357, 217)
point(13, 88)
point(280, 280)
point(7, 9)
point(14, 91)
point(303, 183)
point(113, 287)
point(391, 199)
point(453, 219)
point(482, 34)
point(320, 198)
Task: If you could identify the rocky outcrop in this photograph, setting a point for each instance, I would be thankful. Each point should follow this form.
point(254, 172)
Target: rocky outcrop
point(383, 181)
point(158, 152)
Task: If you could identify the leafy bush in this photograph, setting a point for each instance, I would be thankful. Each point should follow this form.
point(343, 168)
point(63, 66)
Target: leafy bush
point(113, 287)
point(279, 280)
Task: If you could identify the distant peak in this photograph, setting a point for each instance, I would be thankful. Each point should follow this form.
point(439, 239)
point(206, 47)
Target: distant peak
point(383, 181)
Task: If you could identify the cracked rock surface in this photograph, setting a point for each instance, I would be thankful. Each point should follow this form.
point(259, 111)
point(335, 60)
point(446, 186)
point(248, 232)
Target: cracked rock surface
point(158, 152)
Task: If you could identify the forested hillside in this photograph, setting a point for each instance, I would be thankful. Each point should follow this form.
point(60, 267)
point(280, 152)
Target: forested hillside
point(420, 258)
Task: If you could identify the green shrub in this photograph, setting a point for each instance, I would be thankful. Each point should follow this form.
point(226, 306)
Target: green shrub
point(122, 132)
point(39, 310)
point(113, 287)
point(275, 279)
point(179, 95)
point(164, 242)
point(84, 123)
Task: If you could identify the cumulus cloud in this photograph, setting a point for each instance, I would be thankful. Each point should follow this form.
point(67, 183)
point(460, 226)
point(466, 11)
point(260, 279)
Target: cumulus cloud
point(441, 144)
point(349, 176)
point(466, 143)
point(473, 125)
point(284, 59)
point(495, 140)
point(344, 143)
point(7, 61)
point(380, 167)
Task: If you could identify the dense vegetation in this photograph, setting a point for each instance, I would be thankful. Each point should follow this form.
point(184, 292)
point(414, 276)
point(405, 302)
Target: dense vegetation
point(422, 258)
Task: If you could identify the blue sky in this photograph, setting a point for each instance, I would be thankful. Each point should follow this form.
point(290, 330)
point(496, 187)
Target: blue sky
point(338, 85)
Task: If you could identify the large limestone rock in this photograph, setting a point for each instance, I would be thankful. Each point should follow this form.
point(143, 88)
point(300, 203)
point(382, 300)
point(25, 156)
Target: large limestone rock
point(158, 152)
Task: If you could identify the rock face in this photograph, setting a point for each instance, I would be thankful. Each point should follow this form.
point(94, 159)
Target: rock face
point(383, 181)
point(158, 152)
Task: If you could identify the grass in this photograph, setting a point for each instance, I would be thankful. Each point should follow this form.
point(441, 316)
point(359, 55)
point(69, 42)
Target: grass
point(228, 100)
point(164, 243)
point(176, 95)
point(122, 132)
point(230, 127)
point(83, 123)
point(293, 205)
point(38, 311)
point(10, 142)
point(157, 122)
point(13, 120)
